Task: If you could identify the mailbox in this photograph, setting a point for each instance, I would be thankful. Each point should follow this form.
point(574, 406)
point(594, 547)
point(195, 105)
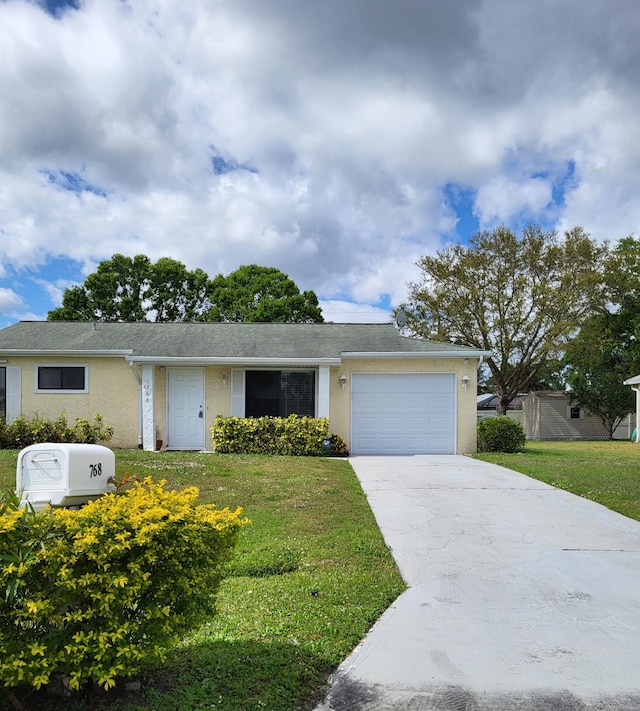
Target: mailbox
point(64, 474)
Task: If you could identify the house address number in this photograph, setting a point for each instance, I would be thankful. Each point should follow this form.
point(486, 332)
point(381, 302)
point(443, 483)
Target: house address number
point(95, 470)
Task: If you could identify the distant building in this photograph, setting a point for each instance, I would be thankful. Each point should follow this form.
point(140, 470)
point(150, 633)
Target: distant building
point(487, 406)
point(550, 415)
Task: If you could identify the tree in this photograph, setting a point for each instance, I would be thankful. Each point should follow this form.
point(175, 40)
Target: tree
point(606, 352)
point(520, 298)
point(135, 289)
point(177, 294)
point(261, 294)
point(597, 366)
point(116, 291)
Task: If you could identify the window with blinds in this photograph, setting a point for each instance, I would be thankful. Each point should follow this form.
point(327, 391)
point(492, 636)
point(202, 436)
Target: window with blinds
point(65, 378)
point(280, 393)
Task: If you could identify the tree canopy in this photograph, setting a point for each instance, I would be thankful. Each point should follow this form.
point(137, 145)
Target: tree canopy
point(606, 351)
point(598, 363)
point(254, 293)
point(520, 297)
point(136, 289)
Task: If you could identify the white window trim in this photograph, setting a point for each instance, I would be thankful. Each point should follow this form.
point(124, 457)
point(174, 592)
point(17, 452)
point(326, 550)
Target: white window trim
point(581, 413)
point(54, 391)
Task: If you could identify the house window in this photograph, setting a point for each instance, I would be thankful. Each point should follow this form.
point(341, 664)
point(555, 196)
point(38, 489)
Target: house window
point(61, 378)
point(574, 413)
point(280, 393)
point(3, 394)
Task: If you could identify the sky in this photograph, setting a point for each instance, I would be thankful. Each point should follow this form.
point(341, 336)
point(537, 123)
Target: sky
point(337, 140)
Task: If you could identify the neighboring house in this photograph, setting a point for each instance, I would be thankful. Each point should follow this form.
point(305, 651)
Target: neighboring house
point(487, 406)
point(382, 392)
point(549, 415)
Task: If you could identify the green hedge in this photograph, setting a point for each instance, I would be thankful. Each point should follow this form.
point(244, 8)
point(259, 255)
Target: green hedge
point(93, 594)
point(500, 434)
point(293, 435)
point(22, 432)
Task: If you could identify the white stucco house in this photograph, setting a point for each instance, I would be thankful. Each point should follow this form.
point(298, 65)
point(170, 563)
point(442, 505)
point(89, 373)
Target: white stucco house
point(382, 392)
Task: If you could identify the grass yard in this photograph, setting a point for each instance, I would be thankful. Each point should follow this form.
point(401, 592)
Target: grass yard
point(606, 472)
point(310, 576)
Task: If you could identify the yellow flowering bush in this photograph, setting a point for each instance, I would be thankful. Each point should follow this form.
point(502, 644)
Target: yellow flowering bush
point(93, 594)
point(293, 435)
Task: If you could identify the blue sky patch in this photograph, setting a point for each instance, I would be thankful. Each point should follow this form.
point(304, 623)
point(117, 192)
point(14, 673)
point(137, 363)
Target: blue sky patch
point(56, 8)
point(73, 182)
point(565, 182)
point(222, 165)
point(461, 200)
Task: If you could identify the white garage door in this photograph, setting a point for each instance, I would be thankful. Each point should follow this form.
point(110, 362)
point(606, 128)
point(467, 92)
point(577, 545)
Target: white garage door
point(403, 413)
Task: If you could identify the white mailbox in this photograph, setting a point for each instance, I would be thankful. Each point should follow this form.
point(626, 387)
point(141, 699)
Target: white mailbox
point(64, 474)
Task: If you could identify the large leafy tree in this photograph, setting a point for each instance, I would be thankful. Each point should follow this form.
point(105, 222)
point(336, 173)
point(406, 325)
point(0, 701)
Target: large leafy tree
point(520, 297)
point(598, 362)
point(114, 292)
point(261, 294)
point(606, 351)
point(136, 289)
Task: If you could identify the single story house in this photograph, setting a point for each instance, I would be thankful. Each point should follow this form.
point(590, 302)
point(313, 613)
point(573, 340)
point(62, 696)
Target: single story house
point(382, 392)
point(549, 415)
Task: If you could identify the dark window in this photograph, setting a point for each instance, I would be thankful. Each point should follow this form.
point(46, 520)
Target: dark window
point(575, 413)
point(3, 393)
point(280, 393)
point(61, 377)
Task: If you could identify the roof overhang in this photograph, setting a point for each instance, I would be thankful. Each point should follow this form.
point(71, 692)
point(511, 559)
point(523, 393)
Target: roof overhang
point(633, 381)
point(68, 353)
point(417, 354)
point(234, 361)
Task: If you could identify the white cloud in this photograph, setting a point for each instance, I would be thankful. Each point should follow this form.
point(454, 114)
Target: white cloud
point(501, 199)
point(350, 312)
point(353, 115)
point(10, 301)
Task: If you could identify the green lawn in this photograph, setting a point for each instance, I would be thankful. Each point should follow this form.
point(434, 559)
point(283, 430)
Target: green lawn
point(606, 472)
point(310, 577)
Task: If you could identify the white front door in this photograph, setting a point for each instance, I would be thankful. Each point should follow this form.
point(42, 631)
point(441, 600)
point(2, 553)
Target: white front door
point(185, 408)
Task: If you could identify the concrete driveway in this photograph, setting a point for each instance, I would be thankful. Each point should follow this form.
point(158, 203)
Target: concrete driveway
point(520, 596)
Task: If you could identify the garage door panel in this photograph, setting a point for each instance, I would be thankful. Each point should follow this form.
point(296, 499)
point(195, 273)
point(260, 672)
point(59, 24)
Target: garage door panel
point(439, 402)
point(403, 413)
point(439, 424)
point(399, 401)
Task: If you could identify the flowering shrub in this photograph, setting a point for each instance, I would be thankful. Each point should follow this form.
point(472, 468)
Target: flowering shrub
point(22, 432)
point(92, 594)
point(293, 435)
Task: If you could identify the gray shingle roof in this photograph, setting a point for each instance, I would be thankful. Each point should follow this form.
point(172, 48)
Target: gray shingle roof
point(218, 340)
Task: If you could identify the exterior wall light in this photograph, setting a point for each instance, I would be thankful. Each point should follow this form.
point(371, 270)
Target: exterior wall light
point(342, 380)
point(465, 381)
point(224, 377)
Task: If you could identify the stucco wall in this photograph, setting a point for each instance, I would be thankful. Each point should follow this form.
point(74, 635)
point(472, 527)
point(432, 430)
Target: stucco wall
point(217, 398)
point(113, 393)
point(340, 407)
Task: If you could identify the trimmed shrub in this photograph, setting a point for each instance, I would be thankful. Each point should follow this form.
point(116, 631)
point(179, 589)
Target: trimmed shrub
point(293, 435)
point(21, 432)
point(94, 594)
point(500, 434)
